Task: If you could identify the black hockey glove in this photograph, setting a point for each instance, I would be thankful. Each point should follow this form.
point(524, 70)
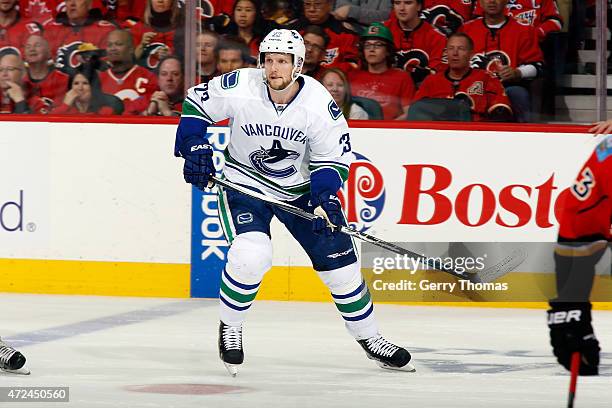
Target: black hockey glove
point(199, 166)
point(570, 331)
point(328, 212)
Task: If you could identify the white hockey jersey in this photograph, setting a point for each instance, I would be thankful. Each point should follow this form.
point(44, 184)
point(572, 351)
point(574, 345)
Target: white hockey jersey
point(274, 148)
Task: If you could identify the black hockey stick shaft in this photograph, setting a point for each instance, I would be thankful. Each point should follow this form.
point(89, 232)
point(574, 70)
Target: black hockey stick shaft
point(343, 229)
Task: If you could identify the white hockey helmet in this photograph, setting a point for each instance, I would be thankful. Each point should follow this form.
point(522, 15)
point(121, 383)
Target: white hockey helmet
point(284, 42)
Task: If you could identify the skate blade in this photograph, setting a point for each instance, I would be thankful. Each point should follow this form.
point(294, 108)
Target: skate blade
point(231, 368)
point(20, 371)
point(408, 367)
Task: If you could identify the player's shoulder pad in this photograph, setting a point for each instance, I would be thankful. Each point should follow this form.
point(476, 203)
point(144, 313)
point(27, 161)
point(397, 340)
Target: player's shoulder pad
point(604, 149)
point(317, 92)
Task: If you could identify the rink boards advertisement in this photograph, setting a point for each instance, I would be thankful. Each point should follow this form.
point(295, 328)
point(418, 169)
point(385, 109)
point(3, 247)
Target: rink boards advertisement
point(101, 208)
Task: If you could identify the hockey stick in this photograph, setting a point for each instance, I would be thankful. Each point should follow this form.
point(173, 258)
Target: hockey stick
point(343, 229)
point(574, 369)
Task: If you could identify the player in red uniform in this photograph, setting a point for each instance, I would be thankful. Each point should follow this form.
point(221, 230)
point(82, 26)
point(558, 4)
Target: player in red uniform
point(448, 15)
point(126, 80)
point(483, 92)
point(543, 15)
point(418, 45)
point(14, 28)
point(392, 88)
point(41, 78)
point(584, 234)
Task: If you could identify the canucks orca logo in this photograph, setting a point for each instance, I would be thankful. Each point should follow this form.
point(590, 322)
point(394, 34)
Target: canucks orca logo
point(263, 158)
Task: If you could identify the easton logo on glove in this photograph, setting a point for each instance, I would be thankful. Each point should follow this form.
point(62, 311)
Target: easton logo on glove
point(201, 147)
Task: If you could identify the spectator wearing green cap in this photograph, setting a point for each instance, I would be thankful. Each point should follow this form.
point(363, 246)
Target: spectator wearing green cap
point(392, 88)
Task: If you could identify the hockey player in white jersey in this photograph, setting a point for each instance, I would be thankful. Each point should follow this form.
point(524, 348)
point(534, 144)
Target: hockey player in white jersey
point(289, 140)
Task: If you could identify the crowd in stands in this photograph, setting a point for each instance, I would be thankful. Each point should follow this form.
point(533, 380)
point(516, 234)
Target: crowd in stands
point(389, 59)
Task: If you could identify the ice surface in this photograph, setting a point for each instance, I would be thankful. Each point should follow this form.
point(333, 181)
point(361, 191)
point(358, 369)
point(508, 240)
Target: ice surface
point(141, 352)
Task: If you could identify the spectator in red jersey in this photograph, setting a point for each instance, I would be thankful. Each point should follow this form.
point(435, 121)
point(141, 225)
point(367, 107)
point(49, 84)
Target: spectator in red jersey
point(156, 36)
point(341, 47)
point(168, 101)
point(337, 84)
point(44, 11)
point(206, 42)
point(419, 46)
point(84, 96)
point(14, 29)
point(131, 83)
point(545, 18)
point(478, 88)
point(231, 55)
point(392, 88)
point(448, 15)
point(543, 15)
point(13, 95)
point(315, 42)
point(80, 23)
point(508, 49)
point(362, 11)
point(42, 79)
point(248, 24)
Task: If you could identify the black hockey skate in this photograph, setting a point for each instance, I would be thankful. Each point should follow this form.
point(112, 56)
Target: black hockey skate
point(12, 361)
point(387, 355)
point(230, 347)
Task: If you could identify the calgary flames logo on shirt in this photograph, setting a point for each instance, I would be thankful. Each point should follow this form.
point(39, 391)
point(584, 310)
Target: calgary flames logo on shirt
point(152, 54)
point(411, 59)
point(206, 9)
point(443, 18)
point(492, 61)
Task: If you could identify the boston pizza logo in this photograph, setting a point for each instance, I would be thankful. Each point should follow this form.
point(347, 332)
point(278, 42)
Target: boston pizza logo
point(363, 194)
